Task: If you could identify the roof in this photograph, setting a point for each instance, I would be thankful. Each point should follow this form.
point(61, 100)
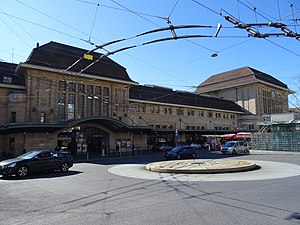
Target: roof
point(237, 77)
point(8, 76)
point(168, 96)
point(60, 56)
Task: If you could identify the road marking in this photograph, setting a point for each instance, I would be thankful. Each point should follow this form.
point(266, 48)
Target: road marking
point(269, 170)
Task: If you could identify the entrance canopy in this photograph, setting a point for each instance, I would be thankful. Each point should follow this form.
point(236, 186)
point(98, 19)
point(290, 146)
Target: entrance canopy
point(111, 123)
point(240, 135)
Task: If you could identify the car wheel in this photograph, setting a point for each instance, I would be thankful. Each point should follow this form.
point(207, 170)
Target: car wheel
point(22, 171)
point(64, 167)
point(178, 157)
point(234, 152)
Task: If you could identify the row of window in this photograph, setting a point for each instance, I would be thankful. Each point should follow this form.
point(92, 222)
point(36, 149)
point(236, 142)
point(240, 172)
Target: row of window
point(158, 126)
point(65, 86)
point(182, 112)
point(272, 102)
point(76, 100)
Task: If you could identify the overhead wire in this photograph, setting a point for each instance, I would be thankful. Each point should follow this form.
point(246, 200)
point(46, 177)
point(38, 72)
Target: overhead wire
point(177, 1)
point(21, 38)
point(278, 8)
point(280, 46)
point(135, 13)
point(51, 17)
point(93, 24)
point(173, 9)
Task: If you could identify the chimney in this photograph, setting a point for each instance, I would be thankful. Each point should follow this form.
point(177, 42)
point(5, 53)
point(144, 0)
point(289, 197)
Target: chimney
point(37, 45)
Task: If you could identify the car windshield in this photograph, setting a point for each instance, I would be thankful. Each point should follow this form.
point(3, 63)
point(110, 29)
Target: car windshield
point(176, 149)
point(28, 155)
point(229, 144)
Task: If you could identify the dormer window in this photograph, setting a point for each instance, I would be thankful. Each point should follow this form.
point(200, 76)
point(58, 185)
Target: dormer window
point(7, 80)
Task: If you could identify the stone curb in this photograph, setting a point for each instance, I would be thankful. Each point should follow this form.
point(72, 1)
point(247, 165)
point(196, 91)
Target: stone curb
point(200, 166)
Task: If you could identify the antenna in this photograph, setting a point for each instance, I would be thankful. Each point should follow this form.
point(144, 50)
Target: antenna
point(12, 55)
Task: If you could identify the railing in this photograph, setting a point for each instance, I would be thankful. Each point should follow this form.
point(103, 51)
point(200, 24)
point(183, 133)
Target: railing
point(276, 141)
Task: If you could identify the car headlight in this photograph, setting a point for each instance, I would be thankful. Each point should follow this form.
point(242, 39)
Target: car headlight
point(11, 165)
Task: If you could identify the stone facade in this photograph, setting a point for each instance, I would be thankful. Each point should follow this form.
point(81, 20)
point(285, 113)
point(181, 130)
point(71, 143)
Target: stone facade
point(95, 109)
point(258, 93)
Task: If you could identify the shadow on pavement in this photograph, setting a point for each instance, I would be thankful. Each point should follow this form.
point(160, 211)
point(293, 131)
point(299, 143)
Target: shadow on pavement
point(47, 175)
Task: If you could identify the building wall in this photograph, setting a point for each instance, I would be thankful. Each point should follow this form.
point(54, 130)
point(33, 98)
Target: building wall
point(3, 106)
point(166, 116)
point(271, 100)
point(256, 98)
point(97, 97)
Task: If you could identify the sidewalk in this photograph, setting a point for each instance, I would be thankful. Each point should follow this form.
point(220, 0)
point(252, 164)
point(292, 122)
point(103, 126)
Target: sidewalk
point(264, 152)
point(114, 157)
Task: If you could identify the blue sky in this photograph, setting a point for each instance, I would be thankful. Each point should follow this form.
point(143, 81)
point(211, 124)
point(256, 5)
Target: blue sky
point(179, 64)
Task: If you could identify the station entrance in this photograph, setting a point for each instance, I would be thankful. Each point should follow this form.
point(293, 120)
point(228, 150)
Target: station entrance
point(82, 140)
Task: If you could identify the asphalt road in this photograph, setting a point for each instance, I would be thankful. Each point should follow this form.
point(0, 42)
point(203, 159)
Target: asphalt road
point(90, 194)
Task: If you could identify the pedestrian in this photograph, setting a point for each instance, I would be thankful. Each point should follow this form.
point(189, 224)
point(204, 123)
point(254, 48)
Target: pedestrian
point(117, 148)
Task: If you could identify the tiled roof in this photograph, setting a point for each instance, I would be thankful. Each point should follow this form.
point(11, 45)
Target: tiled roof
point(237, 77)
point(8, 76)
point(60, 56)
point(166, 95)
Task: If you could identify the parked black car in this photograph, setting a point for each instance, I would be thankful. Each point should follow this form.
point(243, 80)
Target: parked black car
point(36, 161)
point(181, 152)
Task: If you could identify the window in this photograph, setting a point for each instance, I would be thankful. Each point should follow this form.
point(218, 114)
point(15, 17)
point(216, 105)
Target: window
point(157, 109)
point(61, 106)
point(97, 106)
point(71, 106)
point(72, 87)
point(80, 106)
point(81, 88)
point(13, 117)
point(106, 91)
point(98, 91)
point(7, 80)
point(151, 109)
point(62, 86)
point(105, 106)
point(166, 110)
point(90, 90)
point(89, 106)
point(218, 115)
point(42, 117)
point(180, 112)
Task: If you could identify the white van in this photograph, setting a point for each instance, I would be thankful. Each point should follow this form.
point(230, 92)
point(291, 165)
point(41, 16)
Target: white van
point(234, 147)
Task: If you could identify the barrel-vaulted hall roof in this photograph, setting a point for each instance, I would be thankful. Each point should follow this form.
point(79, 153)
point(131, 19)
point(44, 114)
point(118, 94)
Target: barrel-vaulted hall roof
point(60, 56)
point(238, 77)
point(150, 93)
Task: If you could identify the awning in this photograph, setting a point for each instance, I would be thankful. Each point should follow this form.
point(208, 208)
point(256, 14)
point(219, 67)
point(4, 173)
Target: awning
point(228, 136)
point(243, 135)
